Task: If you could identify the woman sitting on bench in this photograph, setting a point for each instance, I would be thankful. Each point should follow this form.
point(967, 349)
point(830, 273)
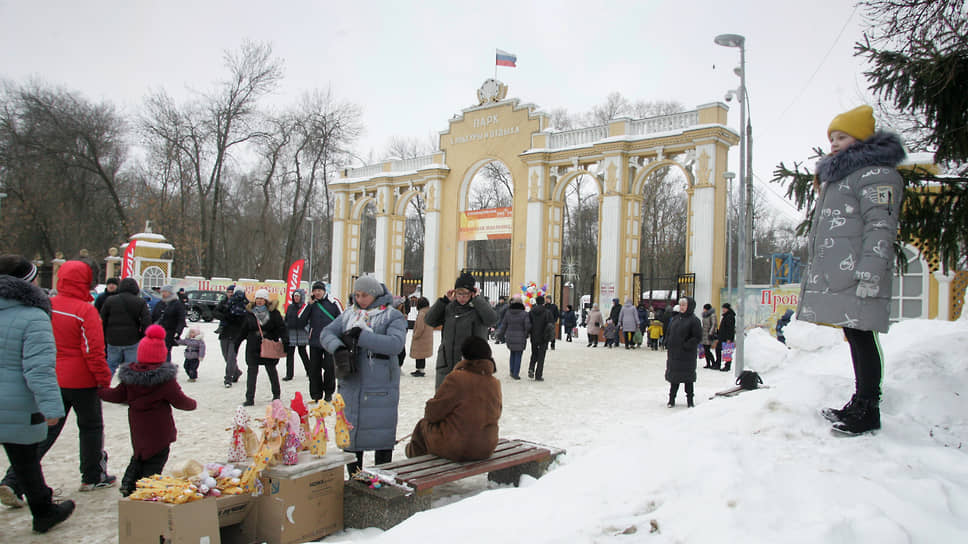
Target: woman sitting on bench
point(460, 421)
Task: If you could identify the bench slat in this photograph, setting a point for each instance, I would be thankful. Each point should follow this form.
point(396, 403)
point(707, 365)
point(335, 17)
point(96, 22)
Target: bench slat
point(424, 462)
point(467, 467)
point(459, 472)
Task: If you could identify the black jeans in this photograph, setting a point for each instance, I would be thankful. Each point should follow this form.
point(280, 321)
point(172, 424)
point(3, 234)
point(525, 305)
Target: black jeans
point(90, 434)
point(253, 374)
point(674, 389)
point(322, 373)
point(191, 368)
point(25, 466)
point(291, 356)
point(865, 352)
point(421, 363)
point(140, 468)
point(380, 457)
point(536, 365)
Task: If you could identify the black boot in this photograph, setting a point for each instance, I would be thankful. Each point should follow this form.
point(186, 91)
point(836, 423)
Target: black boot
point(834, 415)
point(689, 402)
point(726, 366)
point(53, 514)
point(673, 389)
point(864, 416)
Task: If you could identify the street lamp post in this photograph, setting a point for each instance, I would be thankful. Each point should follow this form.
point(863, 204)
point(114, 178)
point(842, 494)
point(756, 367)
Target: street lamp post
point(312, 245)
point(736, 40)
point(728, 176)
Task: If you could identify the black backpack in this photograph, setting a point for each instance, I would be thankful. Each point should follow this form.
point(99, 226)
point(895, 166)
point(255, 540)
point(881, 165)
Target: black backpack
point(749, 380)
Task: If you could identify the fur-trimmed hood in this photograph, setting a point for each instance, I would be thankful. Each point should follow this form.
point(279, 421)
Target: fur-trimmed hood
point(146, 375)
point(20, 291)
point(881, 149)
point(272, 305)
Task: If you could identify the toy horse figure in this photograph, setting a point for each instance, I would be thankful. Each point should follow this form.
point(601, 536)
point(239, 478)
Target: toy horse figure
point(342, 425)
point(319, 435)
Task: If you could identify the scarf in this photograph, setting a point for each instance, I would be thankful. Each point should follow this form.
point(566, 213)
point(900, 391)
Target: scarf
point(261, 313)
point(362, 318)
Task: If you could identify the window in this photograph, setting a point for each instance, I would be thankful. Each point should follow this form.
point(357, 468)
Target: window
point(908, 291)
point(152, 277)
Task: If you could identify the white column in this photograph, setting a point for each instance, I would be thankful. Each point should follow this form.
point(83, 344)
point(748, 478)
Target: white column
point(609, 253)
point(702, 238)
point(944, 294)
point(431, 255)
point(534, 244)
point(381, 258)
point(337, 271)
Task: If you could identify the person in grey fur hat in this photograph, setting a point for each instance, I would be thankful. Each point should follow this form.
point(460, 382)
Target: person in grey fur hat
point(462, 312)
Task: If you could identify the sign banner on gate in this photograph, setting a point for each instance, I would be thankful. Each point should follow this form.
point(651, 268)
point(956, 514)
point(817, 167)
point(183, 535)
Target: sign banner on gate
point(127, 263)
point(489, 224)
point(292, 281)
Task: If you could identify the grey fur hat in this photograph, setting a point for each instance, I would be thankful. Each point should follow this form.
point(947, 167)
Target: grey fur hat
point(368, 285)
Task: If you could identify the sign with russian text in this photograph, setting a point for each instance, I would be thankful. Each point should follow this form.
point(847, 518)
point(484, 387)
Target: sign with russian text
point(127, 263)
point(293, 279)
point(489, 224)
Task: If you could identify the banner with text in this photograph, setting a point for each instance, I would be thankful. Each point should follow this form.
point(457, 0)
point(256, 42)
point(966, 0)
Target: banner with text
point(127, 263)
point(293, 280)
point(489, 224)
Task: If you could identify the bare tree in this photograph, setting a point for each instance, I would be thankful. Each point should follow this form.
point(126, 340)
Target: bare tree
point(206, 131)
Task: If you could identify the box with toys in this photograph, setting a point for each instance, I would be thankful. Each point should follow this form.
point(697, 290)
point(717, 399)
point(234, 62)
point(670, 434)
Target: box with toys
point(222, 503)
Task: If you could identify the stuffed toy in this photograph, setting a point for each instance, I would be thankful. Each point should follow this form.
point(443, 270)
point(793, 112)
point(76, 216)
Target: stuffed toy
point(294, 440)
point(342, 425)
point(299, 407)
point(273, 435)
point(244, 442)
point(319, 436)
point(166, 489)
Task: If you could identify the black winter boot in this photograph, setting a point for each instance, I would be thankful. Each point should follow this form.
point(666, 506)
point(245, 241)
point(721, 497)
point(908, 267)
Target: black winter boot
point(834, 415)
point(689, 401)
point(54, 514)
point(673, 389)
point(864, 416)
point(726, 366)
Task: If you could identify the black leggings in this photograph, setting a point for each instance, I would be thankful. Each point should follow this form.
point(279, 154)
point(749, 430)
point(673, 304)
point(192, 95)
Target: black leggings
point(379, 457)
point(865, 352)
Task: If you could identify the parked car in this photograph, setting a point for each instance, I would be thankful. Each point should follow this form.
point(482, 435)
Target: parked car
point(201, 304)
point(151, 297)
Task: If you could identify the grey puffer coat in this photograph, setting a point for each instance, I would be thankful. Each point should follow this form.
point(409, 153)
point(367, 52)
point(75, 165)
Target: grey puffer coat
point(708, 326)
point(515, 327)
point(459, 322)
point(628, 317)
point(29, 394)
point(372, 393)
point(852, 235)
point(682, 341)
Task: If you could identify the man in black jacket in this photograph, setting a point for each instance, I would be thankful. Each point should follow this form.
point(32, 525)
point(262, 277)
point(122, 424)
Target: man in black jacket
point(727, 333)
point(125, 317)
point(170, 314)
point(110, 289)
point(319, 312)
point(230, 311)
point(542, 330)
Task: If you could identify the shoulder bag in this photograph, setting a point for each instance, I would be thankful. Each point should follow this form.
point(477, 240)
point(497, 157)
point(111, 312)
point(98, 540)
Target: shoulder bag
point(271, 349)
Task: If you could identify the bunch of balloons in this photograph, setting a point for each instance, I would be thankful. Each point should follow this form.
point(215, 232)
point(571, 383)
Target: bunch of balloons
point(530, 291)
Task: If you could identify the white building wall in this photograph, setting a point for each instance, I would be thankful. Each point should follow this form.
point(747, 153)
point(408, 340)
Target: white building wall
point(609, 262)
point(429, 288)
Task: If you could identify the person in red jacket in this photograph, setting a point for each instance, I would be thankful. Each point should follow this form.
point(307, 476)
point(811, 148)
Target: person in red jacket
point(81, 369)
point(149, 389)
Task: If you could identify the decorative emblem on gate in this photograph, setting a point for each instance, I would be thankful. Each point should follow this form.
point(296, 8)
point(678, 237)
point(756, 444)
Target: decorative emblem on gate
point(491, 90)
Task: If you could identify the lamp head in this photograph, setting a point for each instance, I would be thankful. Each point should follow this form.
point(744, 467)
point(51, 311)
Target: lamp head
point(730, 40)
point(728, 176)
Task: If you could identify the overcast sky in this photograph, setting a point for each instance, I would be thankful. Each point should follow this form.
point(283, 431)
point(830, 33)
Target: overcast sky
point(413, 65)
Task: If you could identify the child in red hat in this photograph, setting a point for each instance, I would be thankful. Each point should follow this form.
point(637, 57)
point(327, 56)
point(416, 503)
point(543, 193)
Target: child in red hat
point(149, 389)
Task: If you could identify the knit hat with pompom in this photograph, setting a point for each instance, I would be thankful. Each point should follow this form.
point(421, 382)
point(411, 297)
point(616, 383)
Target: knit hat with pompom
point(152, 349)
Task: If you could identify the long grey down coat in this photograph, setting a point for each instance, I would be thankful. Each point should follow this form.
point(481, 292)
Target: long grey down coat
point(372, 393)
point(29, 393)
point(853, 232)
point(682, 342)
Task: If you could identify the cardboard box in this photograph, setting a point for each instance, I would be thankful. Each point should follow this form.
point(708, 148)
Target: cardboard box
point(302, 502)
point(225, 520)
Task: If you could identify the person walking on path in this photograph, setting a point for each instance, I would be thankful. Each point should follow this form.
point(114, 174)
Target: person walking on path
point(682, 343)
point(110, 289)
point(850, 268)
point(170, 314)
point(125, 317)
point(194, 352)
point(372, 392)
point(30, 399)
point(231, 312)
point(709, 326)
point(628, 318)
point(542, 329)
point(726, 333)
point(460, 313)
point(422, 341)
point(149, 388)
point(594, 326)
point(262, 320)
point(569, 320)
point(318, 314)
point(81, 370)
point(555, 316)
point(297, 335)
point(515, 328)
point(460, 422)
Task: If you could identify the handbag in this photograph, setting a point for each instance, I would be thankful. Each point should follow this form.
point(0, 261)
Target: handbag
point(271, 349)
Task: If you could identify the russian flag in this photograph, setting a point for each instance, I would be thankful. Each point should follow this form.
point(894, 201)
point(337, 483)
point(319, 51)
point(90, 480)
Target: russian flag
point(503, 58)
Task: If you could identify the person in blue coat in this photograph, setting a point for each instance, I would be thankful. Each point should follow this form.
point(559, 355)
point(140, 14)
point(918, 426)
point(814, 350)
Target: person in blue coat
point(372, 392)
point(30, 398)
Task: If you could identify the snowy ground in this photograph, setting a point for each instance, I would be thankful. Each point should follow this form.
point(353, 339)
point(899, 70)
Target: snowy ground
point(760, 467)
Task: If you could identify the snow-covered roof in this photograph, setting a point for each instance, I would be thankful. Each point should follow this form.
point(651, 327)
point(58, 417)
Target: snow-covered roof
point(152, 245)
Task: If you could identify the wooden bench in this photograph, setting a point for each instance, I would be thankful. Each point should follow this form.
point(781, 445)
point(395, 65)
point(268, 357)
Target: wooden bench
point(416, 479)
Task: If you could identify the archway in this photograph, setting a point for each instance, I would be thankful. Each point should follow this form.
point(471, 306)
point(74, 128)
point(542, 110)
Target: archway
point(579, 194)
point(662, 237)
point(486, 245)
